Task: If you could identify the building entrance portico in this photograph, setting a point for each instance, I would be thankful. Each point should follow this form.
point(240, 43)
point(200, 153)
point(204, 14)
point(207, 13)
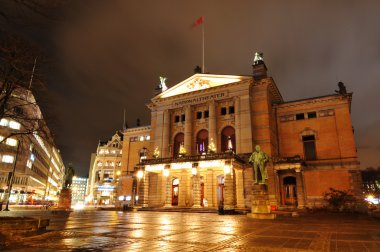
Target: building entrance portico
point(199, 183)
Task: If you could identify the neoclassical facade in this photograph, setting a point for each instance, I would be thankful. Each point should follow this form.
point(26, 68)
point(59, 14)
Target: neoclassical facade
point(203, 130)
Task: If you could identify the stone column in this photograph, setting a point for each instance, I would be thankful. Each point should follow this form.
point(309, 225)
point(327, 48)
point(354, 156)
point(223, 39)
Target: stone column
point(229, 191)
point(168, 192)
point(209, 184)
point(182, 194)
point(196, 191)
point(300, 189)
point(144, 190)
point(239, 188)
point(165, 137)
point(212, 134)
point(158, 134)
point(188, 130)
point(237, 124)
point(246, 138)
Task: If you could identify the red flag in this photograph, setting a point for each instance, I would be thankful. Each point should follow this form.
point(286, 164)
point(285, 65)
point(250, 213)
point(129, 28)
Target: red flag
point(199, 21)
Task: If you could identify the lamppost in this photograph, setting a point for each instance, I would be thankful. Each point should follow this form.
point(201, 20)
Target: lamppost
point(10, 184)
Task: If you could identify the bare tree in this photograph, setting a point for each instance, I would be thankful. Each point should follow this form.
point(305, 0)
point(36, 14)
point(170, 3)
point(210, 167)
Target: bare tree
point(19, 76)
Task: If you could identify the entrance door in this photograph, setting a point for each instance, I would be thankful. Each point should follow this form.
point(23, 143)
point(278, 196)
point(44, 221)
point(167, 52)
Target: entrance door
point(175, 192)
point(220, 190)
point(290, 191)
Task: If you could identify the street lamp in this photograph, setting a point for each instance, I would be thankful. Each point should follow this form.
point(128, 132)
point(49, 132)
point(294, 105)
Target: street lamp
point(140, 174)
point(166, 171)
point(227, 167)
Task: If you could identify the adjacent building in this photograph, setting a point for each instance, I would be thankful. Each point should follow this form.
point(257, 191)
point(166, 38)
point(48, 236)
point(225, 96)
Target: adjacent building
point(203, 130)
point(27, 144)
point(105, 170)
point(78, 190)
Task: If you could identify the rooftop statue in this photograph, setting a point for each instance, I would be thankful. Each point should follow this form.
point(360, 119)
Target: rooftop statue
point(258, 159)
point(259, 57)
point(163, 84)
point(342, 88)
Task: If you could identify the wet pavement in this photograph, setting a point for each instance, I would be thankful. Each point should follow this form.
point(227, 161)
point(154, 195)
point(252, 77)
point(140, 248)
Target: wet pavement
point(175, 231)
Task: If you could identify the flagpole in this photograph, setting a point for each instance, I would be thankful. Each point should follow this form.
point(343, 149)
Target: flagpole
point(203, 47)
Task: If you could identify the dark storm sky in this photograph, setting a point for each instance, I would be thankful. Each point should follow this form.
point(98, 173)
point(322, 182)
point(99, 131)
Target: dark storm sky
point(109, 56)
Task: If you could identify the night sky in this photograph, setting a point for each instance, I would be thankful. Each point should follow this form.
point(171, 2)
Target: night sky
point(107, 55)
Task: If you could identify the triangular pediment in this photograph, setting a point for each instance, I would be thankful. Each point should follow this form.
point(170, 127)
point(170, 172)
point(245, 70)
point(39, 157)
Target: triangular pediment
point(199, 82)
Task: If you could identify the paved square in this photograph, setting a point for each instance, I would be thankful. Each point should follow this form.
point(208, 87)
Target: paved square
point(158, 231)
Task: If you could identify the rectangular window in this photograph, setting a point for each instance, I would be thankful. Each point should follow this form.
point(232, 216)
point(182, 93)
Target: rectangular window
point(14, 125)
point(309, 147)
point(311, 115)
point(223, 111)
point(231, 110)
point(176, 119)
point(183, 118)
point(11, 142)
point(199, 115)
point(205, 114)
point(300, 116)
point(8, 159)
point(4, 122)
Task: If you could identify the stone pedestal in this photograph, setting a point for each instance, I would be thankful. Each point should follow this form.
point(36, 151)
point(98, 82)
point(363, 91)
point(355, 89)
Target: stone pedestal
point(260, 203)
point(65, 199)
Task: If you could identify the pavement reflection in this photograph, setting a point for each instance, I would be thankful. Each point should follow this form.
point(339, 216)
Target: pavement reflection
point(176, 231)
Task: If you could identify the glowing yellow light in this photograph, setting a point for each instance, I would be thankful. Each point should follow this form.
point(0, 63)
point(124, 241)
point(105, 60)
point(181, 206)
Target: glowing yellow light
point(227, 169)
point(118, 173)
point(140, 174)
point(166, 172)
point(194, 171)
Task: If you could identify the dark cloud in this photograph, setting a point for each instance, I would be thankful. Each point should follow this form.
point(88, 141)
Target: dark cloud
point(111, 53)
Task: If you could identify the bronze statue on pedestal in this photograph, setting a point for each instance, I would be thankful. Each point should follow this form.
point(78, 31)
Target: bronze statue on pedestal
point(258, 159)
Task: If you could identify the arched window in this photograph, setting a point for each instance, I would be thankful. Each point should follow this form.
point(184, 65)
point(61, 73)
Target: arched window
point(228, 141)
point(202, 141)
point(178, 140)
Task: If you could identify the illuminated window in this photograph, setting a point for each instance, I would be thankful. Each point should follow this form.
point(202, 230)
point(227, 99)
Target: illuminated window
point(121, 152)
point(8, 159)
point(1, 138)
point(11, 142)
point(141, 138)
point(29, 164)
point(31, 147)
point(101, 151)
point(147, 138)
point(4, 122)
point(32, 157)
point(100, 164)
point(14, 125)
point(113, 151)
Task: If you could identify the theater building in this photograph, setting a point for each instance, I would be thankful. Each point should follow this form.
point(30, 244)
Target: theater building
point(203, 130)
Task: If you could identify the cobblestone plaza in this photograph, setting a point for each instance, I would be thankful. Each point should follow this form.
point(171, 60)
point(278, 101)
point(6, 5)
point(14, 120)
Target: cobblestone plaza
point(153, 231)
